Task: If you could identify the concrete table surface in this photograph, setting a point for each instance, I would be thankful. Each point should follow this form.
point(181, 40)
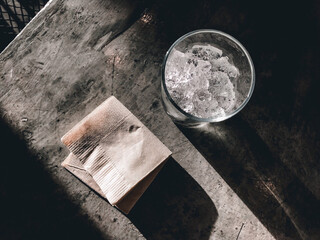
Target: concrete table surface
point(255, 176)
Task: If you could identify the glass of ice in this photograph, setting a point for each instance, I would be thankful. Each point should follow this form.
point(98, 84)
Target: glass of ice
point(207, 76)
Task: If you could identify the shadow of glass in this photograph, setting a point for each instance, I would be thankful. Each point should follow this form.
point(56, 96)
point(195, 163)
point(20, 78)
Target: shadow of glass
point(174, 207)
point(276, 196)
point(32, 205)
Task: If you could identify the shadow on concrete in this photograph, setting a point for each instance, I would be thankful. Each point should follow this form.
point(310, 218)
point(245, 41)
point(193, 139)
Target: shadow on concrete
point(174, 207)
point(277, 184)
point(275, 195)
point(32, 205)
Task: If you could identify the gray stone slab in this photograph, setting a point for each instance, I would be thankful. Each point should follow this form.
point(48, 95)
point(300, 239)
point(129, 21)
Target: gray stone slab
point(225, 181)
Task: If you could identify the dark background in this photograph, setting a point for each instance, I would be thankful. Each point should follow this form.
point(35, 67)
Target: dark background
point(280, 124)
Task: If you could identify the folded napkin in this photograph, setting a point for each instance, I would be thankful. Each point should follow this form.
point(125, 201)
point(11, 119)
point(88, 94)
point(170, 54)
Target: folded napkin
point(114, 154)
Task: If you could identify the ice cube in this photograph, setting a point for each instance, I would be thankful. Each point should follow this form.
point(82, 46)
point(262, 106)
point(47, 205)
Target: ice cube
point(206, 52)
point(223, 64)
point(222, 90)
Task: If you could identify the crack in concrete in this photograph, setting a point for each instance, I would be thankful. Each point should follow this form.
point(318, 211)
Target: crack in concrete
point(112, 74)
point(240, 231)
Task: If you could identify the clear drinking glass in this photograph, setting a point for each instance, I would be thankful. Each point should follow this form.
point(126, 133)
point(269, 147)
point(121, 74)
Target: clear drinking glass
point(225, 49)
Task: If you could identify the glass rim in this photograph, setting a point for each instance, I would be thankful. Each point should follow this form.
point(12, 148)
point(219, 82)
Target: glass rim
point(213, 119)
